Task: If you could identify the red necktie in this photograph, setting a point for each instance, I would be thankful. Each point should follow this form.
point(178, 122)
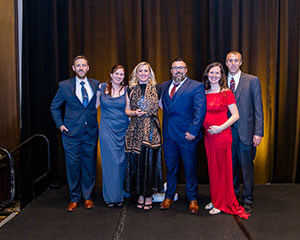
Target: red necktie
point(175, 85)
point(232, 84)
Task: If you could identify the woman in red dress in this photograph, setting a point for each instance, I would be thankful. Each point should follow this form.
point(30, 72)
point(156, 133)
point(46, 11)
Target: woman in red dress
point(218, 141)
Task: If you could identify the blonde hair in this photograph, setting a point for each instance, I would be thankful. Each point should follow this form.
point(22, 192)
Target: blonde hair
point(133, 79)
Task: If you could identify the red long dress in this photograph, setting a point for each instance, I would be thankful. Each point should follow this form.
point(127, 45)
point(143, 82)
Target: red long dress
point(219, 158)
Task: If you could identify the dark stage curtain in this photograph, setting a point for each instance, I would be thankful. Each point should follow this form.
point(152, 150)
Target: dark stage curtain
point(127, 32)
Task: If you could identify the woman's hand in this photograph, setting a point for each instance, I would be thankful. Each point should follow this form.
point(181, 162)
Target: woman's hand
point(214, 129)
point(139, 112)
point(98, 93)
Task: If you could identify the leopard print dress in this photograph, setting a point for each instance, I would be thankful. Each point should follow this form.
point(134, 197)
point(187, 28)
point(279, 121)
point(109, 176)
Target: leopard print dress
point(143, 143)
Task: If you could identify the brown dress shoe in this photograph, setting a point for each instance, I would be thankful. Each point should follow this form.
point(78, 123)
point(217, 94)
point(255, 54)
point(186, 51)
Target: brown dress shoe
point(72, 206)
point(166, 204)
point(88, 204)
point(193, 207)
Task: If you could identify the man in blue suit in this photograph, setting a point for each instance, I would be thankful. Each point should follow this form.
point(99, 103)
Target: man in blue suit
point(184, 107)
point(248, 131)
point(79, 130)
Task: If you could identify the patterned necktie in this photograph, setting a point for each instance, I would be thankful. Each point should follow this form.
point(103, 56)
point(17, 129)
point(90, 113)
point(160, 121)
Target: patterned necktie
point(85, 97)
point(175, 85)
point(232, 85)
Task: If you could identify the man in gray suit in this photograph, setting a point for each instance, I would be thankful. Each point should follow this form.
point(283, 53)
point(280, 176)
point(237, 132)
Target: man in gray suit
point(248, 131)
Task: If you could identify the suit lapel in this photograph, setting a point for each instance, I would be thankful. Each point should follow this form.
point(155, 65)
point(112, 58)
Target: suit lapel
point(93, 86)
point(73, 85)
point(240, 87)
point(179, 92)
point(164, 90)
point(73, 89)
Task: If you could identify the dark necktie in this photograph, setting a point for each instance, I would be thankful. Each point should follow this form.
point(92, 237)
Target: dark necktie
point(173, 90)
point(85, 98)
point(232, 84)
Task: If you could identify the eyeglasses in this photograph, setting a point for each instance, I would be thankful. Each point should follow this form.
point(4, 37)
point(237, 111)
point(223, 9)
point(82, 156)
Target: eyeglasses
point(178, 68)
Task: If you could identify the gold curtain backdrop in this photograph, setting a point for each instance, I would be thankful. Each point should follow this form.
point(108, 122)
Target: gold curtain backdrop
point(130, 31)
point(9, 91)
point(260, 30)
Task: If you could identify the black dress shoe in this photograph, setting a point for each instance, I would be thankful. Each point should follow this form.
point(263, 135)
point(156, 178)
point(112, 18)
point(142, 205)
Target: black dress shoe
point(247, 207)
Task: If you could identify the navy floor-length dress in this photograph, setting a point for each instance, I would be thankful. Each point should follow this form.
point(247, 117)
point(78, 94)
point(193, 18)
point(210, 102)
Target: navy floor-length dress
point(113, 126)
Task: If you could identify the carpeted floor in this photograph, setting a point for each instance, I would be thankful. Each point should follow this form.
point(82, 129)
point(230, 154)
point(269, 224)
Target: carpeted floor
point(276, 215)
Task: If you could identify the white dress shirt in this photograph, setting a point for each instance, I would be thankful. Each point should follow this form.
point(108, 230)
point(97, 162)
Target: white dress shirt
point(236, 78)
point(87, 87)
point(172, 84)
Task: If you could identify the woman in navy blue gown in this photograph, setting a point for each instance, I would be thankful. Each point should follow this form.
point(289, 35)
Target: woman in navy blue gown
point(113, 125)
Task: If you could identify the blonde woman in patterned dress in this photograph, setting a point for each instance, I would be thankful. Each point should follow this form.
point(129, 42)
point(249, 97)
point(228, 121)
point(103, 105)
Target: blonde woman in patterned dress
point(143, 136)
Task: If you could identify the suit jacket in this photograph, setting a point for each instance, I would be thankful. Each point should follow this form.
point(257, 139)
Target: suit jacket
point(77, 118)
point(249, 103)
point(185, 112)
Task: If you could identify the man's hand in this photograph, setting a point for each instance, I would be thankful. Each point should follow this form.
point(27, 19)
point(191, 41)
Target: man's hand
point(189, 136)
point(256, 140)
point(63, 128)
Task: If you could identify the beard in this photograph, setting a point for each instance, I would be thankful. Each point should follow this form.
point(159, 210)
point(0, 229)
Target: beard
point(81, 74)
point(178, 77)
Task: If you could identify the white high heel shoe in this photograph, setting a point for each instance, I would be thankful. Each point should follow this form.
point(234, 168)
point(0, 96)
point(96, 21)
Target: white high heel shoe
point(209, 206)
point(214, 211)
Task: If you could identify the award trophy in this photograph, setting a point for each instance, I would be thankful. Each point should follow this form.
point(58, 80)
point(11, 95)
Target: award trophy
point(142, 104)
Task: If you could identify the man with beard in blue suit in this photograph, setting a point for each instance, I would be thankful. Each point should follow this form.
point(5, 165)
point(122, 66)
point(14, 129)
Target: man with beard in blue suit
point(248, 131)
point(79, 130)
point(184, 107)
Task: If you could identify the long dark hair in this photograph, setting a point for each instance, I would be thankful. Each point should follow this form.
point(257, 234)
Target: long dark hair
point(222, 81)
point(109, 84)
